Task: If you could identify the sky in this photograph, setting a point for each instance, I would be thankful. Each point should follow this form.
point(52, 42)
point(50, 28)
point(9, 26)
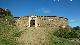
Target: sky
point(66, 8)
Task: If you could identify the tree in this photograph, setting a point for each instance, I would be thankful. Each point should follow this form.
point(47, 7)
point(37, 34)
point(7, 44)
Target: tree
point(76, 28)
point(6, 16)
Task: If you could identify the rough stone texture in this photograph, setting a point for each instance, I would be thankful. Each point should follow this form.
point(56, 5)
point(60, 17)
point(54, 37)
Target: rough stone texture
point(42, 21)
point(51, 21)
point(22, 22)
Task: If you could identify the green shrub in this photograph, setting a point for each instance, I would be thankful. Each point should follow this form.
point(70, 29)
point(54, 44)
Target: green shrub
point(61, 41)
point(54, 40)
point(8, 34)
point(17, 33)
point(67, 33)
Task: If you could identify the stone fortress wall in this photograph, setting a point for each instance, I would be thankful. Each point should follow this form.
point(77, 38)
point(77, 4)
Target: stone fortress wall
point(36, 21)
point(41, 21)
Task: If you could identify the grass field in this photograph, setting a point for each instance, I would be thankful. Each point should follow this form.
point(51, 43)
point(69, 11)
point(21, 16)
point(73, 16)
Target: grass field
point(10, 35)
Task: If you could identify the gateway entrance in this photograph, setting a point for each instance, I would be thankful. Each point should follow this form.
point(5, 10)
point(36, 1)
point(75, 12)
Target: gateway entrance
point(32, 23)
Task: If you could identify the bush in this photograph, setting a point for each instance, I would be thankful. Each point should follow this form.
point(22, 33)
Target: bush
point(67, 33)
point(62, 41)
point(17, 33)
point(54, 40)
point(8, 34)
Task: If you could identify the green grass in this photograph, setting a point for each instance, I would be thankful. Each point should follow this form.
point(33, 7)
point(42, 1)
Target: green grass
point(17, 33)
point(62, 41)
point(9, 34)
point(54, 40)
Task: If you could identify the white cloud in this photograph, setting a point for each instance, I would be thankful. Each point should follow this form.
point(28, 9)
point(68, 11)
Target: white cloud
point(70, 0)
point(45, 10)
point(74, 20)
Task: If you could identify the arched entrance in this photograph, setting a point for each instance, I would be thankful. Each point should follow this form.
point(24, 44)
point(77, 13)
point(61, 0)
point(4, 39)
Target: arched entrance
point(32, 23)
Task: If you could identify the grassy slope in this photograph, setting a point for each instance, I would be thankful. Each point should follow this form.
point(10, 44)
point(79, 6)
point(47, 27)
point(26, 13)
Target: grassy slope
point(60, 41)
point(53, 40)
point(8, 34)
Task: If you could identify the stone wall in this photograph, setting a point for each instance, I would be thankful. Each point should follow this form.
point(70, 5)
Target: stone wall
point(42, 21)
point(52, 21)
point(22, 22)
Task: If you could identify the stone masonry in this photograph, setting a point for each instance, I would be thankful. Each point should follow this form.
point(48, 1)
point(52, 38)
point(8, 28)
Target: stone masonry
point(41, 21)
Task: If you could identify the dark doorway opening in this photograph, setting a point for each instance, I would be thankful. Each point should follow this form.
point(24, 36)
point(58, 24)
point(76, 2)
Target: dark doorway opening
point(32, 23)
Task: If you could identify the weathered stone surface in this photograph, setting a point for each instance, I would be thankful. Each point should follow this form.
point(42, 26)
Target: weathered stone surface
point(41, 21)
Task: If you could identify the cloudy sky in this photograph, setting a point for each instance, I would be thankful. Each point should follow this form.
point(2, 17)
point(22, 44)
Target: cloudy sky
point(67, 8)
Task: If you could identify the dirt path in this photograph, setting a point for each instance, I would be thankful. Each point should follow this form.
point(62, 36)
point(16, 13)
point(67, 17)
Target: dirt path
point(34, 36)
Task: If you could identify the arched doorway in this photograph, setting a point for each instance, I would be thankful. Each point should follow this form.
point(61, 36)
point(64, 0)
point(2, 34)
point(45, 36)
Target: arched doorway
point(32, 23)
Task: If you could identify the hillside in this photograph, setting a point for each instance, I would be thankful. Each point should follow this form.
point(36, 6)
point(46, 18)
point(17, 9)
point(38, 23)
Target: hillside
point(35, 36)
point(42, 36)
point(10, 34)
